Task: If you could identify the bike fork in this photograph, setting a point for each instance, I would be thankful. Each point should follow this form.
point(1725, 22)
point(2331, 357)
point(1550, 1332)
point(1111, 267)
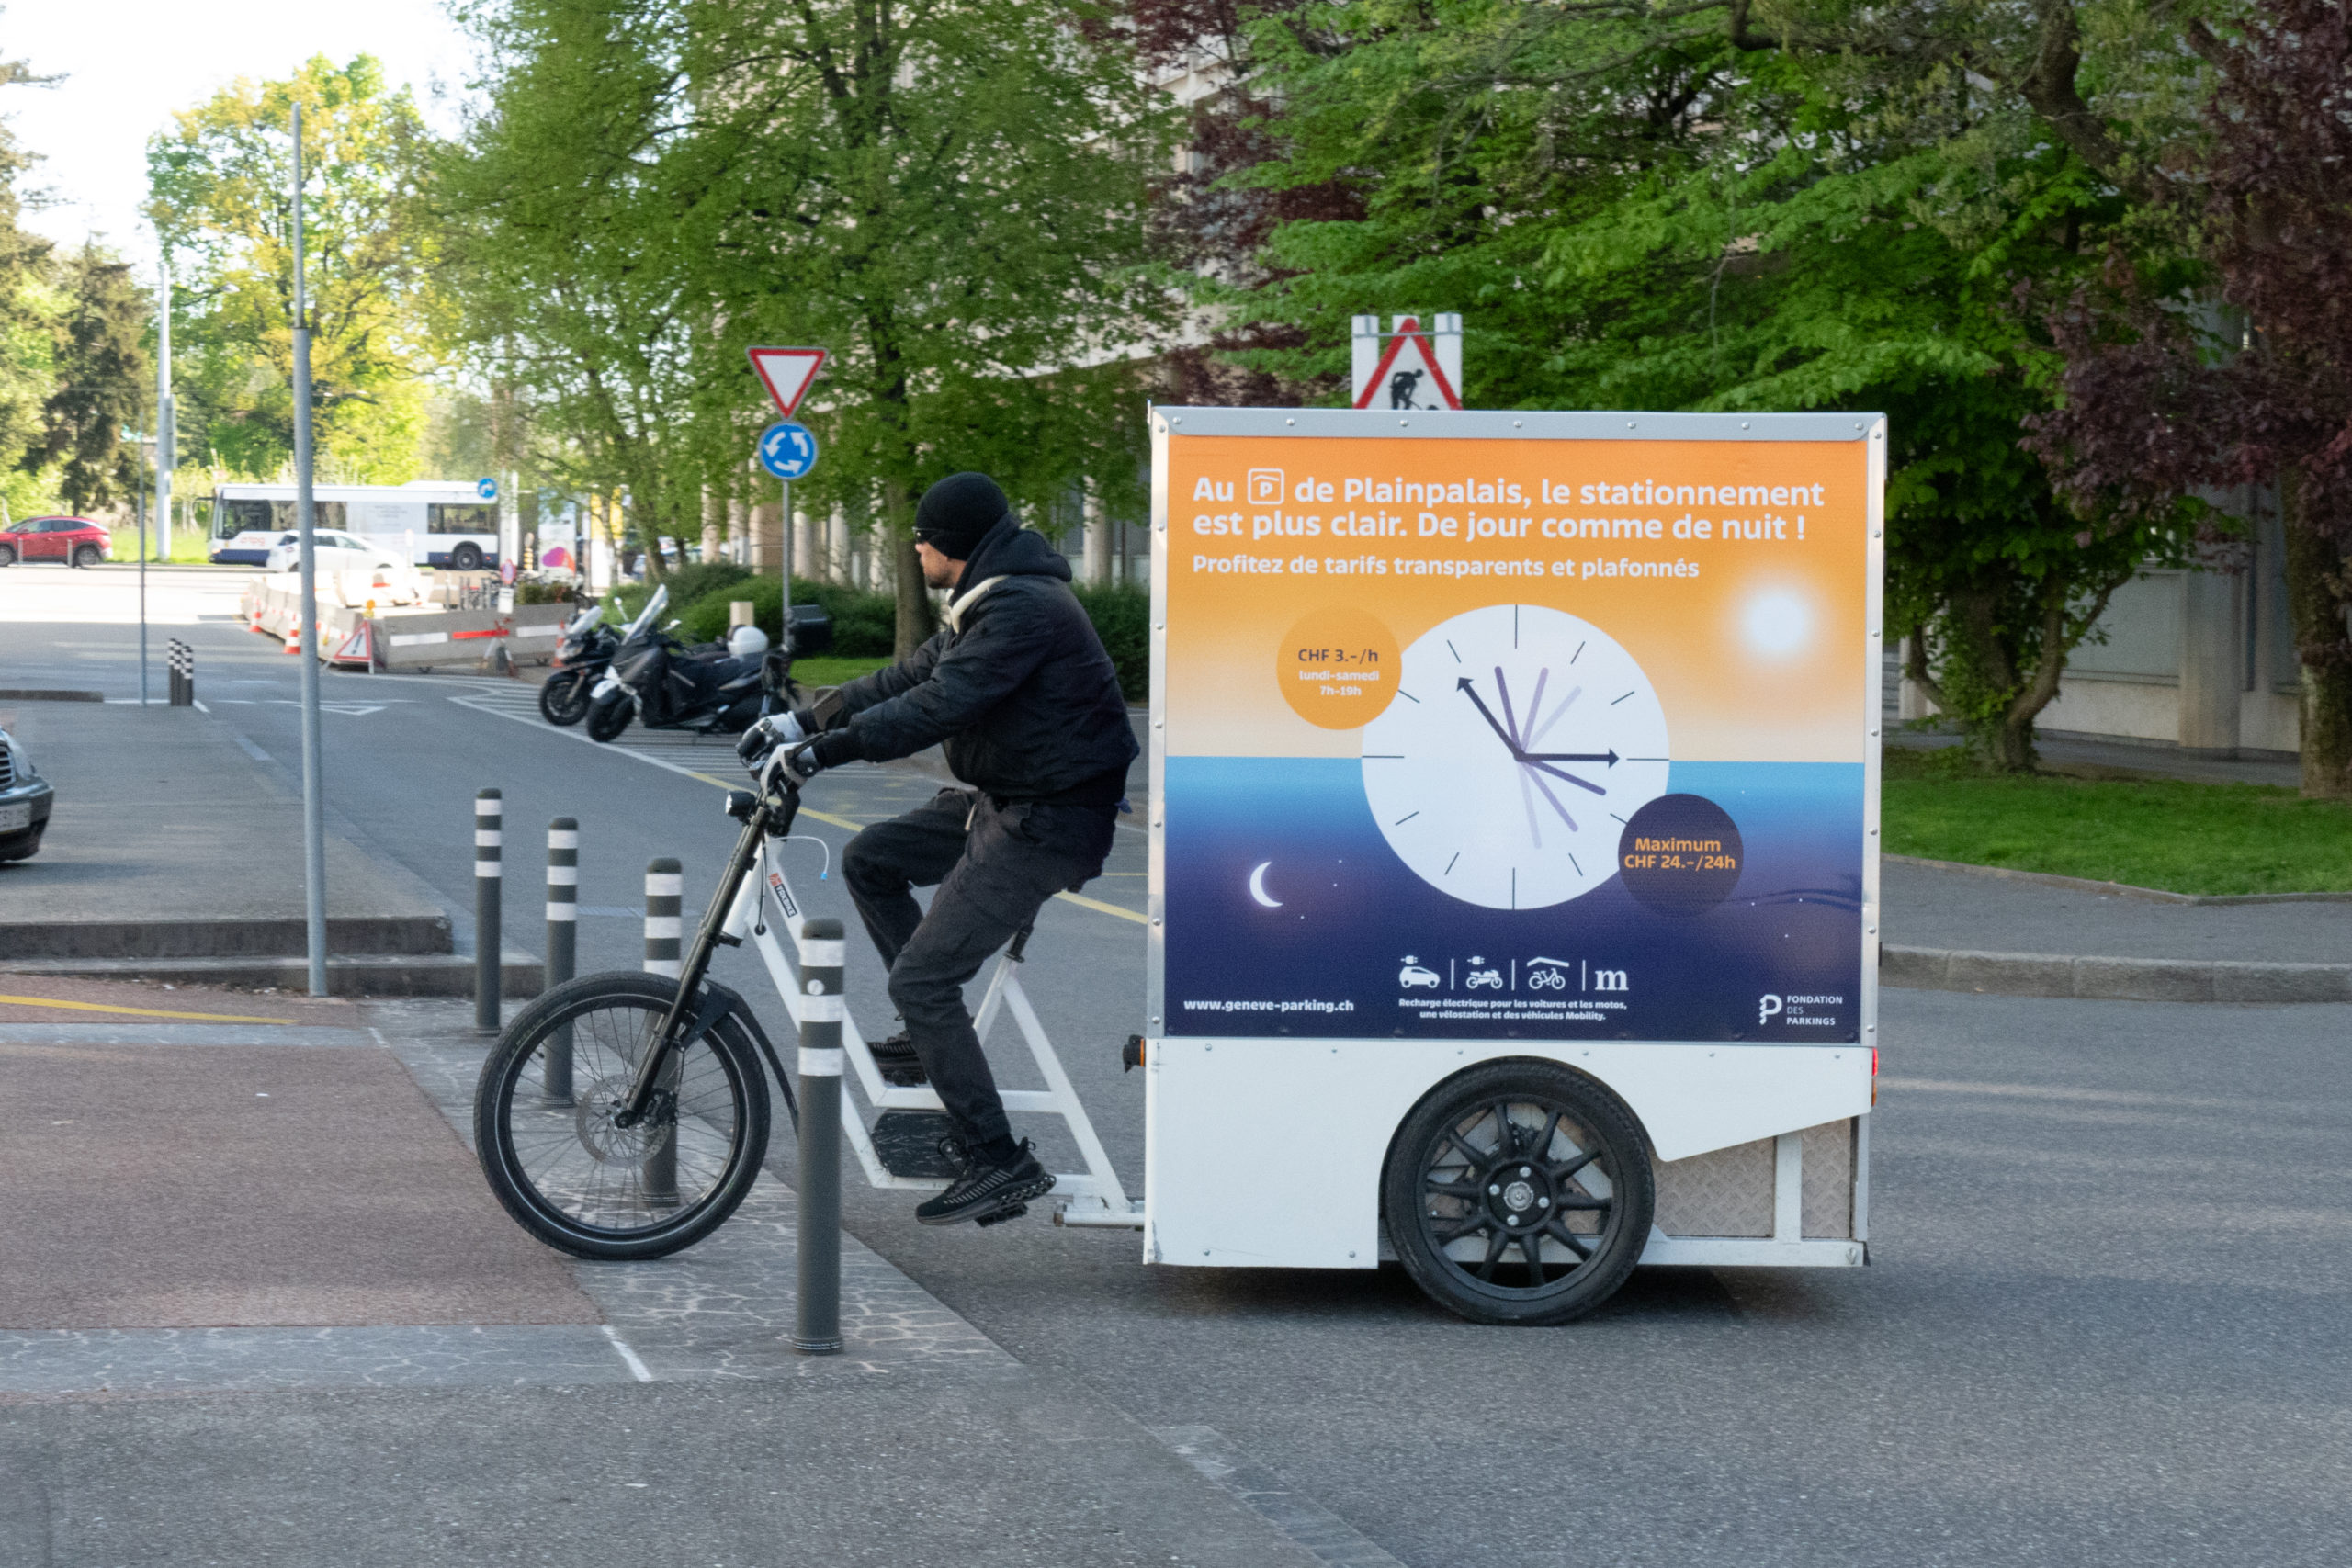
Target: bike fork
point(666, 1041)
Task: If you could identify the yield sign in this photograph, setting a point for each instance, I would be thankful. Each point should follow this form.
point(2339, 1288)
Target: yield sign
point(1409, 373)
point(787, 373)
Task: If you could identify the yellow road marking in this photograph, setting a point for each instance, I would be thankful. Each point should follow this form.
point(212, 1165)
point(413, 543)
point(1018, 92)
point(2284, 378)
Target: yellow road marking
point(1083, 902)
point(144, 1012)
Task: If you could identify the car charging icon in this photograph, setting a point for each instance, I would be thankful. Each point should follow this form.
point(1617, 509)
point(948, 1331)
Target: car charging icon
point(1414, 977)
point(1766, 1006)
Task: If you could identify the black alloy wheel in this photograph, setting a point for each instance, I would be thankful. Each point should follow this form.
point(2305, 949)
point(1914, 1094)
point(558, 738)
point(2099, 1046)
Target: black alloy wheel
point(1518, 1192)
point(86, 554)
point(563, 699)
point(466, 558)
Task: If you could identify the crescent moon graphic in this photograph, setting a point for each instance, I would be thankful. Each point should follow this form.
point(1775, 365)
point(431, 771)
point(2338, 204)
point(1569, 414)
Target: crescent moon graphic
point(1258, 887)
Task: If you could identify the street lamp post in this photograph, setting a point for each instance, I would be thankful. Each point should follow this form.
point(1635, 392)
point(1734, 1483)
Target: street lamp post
point(314, 843)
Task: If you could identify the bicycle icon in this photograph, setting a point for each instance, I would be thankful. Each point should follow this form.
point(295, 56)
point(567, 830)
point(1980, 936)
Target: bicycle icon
point(1547, 974)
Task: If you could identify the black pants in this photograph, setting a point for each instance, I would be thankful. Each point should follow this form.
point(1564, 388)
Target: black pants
point(995, 866)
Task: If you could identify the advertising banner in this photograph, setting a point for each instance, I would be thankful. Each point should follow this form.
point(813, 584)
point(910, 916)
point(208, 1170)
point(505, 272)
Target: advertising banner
point(1481, 726)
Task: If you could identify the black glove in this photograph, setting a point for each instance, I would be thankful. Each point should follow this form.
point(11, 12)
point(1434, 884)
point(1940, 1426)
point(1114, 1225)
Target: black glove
point(808, 759)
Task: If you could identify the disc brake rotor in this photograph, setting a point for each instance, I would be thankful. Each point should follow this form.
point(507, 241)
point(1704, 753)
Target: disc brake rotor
point(608, 1143)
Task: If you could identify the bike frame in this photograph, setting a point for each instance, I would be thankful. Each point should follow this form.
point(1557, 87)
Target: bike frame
point(1092, 1197)
point(778, 807)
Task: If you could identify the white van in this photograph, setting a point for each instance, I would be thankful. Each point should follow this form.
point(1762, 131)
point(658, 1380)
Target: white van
point(440, 522)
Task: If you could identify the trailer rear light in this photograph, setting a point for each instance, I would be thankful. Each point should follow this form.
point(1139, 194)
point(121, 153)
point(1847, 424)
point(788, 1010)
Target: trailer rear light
point(1873, 1078)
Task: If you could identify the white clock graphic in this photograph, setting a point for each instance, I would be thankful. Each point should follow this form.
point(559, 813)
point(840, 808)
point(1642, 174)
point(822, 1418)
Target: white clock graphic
point(1520, 740)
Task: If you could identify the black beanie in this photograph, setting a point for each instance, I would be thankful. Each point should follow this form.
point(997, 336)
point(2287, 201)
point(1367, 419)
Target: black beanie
point(955, 513)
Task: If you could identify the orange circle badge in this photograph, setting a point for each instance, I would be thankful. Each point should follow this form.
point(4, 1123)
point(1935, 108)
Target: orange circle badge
point(1337, 667)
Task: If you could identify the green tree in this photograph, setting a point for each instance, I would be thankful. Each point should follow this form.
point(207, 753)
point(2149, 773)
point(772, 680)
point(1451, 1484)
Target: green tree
point(26, 351)
point(1724, 206)
point(219, 196)
point(101, 378)
point(949, 194)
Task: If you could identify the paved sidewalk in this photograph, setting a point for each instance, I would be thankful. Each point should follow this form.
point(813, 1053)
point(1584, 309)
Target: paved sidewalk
point(2064, 754)
point(372, 1364)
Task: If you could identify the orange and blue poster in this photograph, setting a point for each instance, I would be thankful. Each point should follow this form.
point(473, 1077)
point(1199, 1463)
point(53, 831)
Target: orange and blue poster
point(1481, 726)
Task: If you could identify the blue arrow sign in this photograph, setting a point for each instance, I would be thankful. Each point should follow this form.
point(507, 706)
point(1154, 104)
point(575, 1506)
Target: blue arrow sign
point(486, 489)
point(788, 449)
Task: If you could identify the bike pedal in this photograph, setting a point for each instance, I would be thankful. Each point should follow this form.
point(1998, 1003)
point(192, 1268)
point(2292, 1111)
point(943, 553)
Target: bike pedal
point(1001, 1216)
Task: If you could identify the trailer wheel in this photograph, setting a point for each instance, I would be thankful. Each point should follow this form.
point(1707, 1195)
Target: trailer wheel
point(1518, 1192)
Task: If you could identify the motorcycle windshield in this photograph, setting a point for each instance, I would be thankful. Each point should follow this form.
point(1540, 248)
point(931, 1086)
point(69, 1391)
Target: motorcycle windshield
point(653, 606)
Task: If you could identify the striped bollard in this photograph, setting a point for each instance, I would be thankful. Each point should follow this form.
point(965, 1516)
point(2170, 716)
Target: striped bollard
point(817, 1329)
point(488, 873)
point(665, 888)
point(563, 931)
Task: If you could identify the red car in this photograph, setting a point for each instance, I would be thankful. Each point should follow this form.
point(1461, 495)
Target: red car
point(74, 541)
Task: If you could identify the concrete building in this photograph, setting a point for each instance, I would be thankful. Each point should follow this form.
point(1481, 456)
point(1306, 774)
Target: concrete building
point(2199, 660)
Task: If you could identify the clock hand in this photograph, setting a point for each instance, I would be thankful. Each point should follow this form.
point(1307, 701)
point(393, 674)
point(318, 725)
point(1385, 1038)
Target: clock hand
point(1608, 757)
point(1571, 778)
point(1468, 690)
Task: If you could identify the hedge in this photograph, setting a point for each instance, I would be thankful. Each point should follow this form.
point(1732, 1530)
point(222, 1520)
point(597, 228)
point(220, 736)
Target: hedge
point(866, 625)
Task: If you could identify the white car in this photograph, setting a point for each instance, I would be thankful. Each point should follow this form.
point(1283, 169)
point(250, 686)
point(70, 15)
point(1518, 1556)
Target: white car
point(334, 551)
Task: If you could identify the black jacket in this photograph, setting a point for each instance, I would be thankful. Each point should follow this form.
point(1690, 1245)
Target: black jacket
point(1017, 686)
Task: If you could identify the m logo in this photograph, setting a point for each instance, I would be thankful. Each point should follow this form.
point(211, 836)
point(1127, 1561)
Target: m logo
point(1265, 487)
point(1609, 979)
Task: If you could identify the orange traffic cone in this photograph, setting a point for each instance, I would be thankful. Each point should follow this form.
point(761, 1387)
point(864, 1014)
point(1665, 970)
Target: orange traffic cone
point(294, 637)
point(257, 626)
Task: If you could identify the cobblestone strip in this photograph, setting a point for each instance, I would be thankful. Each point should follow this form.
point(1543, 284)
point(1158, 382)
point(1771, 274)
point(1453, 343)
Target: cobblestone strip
point(54, 1362)
point(1330, 1538)
point(723, 1308)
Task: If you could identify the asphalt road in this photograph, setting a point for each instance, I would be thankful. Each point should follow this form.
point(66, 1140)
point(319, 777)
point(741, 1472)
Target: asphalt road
point(2106, 1320)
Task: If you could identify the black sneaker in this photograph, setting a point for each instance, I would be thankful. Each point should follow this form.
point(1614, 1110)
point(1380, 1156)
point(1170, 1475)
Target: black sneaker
point(990, 1194)
point(896, 1060)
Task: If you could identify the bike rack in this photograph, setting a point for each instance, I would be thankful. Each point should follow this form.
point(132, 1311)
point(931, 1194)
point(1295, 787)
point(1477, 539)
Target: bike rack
point(1092, 1197)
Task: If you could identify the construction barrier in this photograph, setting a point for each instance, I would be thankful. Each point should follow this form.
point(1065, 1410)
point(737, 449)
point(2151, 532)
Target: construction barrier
point(415, 636)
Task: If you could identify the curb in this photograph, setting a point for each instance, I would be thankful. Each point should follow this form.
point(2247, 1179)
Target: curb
point(2112, 979)
point(348, 974)
point(264, 938)
point(2116, 889)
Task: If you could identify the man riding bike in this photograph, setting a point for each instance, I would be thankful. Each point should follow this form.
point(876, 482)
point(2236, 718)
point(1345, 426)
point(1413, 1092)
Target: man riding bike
point(1026, 703)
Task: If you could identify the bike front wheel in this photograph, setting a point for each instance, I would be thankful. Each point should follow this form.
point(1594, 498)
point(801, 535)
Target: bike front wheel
point(546, 1127)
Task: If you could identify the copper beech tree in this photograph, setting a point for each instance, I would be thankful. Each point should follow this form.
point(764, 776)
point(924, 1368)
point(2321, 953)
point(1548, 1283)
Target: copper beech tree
point(2167, 397)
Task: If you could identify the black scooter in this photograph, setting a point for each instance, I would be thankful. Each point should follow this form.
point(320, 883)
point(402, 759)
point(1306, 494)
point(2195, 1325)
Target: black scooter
point(658, 681)
point(581, 660)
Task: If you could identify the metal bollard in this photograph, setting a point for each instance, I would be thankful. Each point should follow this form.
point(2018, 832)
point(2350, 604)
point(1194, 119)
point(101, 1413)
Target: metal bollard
point(563, 946)
point(488, 873)
point(665, 888)
point(816, 1330)
point(181, 658)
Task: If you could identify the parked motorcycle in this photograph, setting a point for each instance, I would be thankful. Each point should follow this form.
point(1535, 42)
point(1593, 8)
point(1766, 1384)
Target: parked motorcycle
point(657, 681)
point(581, 660)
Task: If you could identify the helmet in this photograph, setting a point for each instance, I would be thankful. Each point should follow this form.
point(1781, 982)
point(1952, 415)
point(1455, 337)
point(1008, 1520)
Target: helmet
point(747, 642)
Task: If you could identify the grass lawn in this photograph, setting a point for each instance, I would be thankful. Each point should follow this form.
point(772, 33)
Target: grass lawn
point(834, 672)
point(2168, 833)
